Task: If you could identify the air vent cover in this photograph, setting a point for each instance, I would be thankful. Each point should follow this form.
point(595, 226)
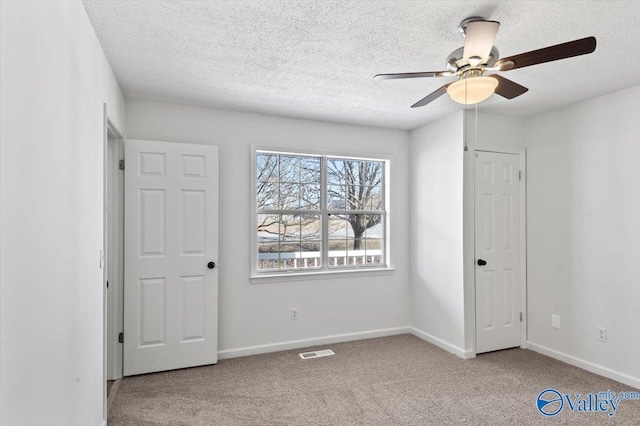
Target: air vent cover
point(316, 354)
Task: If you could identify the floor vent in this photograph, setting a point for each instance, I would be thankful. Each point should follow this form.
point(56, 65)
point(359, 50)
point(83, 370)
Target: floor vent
point(316, 354)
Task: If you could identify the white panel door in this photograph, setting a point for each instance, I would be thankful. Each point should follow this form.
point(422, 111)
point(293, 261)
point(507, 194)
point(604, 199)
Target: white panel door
point(497, 250)
point(171, 236)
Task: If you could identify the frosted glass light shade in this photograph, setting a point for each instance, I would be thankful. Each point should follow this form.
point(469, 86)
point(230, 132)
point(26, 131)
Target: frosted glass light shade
point(477, 89)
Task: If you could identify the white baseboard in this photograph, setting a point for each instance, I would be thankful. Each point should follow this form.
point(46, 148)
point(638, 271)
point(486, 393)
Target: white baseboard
point(442, 344)
point(586, 365)
point(314, 341)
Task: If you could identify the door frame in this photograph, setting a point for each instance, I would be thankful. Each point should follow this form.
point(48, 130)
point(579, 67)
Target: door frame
point(110, 131)
point(114, 254)
point(522, 154)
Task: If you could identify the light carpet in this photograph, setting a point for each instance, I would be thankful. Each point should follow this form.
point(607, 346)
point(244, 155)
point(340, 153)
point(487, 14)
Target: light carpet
point(398, 380)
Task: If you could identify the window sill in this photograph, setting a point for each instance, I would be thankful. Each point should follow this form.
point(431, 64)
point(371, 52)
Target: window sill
point(321, 275)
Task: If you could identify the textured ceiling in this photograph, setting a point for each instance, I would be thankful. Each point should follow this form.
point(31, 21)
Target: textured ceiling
point(316, 59)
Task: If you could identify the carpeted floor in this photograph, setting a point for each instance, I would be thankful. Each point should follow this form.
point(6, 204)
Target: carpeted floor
point(399, 380)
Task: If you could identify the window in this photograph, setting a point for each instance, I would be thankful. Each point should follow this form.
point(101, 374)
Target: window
point(319, 213)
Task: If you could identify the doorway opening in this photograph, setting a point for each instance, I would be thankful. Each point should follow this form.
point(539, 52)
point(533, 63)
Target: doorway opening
point(113, 255)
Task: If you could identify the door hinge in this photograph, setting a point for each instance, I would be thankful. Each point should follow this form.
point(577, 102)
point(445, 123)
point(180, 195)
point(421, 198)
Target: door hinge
point(520, 316)
point(121, 338)
point(107, 284)
point(519, 174)
point(121, 164)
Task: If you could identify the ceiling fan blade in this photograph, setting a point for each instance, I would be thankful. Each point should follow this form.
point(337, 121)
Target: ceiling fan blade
point(431, 97)
point(570, 49)
point(479, 38)
point(507, 88)
point(412, 75)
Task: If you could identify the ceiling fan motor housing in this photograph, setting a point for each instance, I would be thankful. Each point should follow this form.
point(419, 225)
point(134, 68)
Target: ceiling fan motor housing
point(456, 61)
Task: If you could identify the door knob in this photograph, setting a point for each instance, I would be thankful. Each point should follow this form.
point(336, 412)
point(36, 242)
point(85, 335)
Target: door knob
point(482, 262)
point(211, 265)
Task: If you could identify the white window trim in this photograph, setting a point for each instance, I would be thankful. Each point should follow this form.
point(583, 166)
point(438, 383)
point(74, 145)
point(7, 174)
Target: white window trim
point(298, 275)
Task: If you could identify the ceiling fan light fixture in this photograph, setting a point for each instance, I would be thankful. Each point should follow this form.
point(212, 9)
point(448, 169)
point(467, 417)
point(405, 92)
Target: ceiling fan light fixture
point(472, 90)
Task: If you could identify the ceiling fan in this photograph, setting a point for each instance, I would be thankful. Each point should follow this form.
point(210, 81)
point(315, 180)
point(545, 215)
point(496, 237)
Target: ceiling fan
point(479, 56)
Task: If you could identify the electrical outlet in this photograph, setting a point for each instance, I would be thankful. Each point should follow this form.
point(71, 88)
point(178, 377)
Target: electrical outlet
point(602, 334)
point(294, 314)
point(555, 321)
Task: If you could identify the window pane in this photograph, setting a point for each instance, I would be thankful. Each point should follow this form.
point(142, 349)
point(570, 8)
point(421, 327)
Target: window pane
point(353, 244)
point(310, 196)
point(352, 172)
point(289, 196)
point(266, 195)
point(357, 197)
point(335, 172)
point(374, 226)
point(357, 228)
point(268, 227)
point(338, 227)
point(310, 227)
point(266, 167)
point(289, 228)
point(371, 173)
point(338, 246)
point(310, 170)
point(374, 199)
point(336, 197)
point(289, 168)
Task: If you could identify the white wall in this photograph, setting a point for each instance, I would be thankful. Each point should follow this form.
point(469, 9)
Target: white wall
point(437, 294)
point(258, 314)
point(54, 79)
point(584, 232)
point(495, 130)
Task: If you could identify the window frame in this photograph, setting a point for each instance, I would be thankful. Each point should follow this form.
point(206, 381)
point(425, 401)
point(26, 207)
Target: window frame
point(326, 271)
